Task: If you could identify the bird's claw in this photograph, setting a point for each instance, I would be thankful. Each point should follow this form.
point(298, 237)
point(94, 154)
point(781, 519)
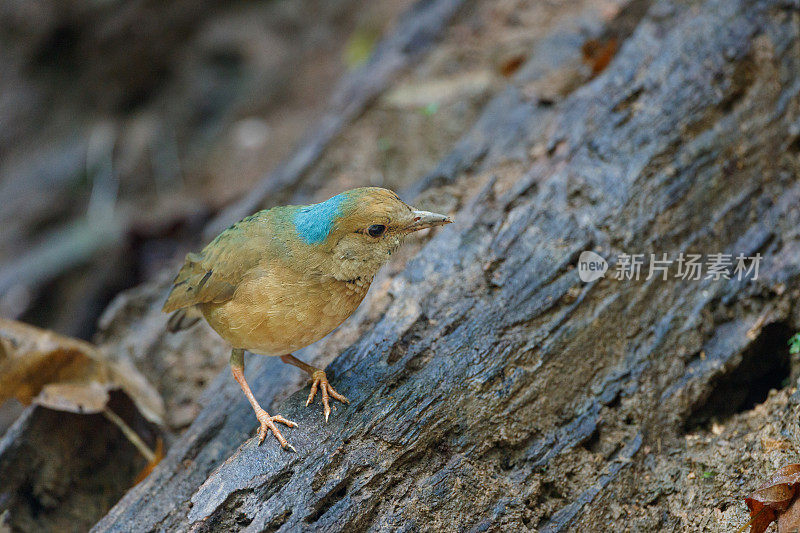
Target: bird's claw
point(268, 424)
point(320, 381)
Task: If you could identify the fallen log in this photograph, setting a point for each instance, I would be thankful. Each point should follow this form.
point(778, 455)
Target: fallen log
point(496, 390)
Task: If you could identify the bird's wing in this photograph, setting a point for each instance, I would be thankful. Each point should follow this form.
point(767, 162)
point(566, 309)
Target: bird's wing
point(212, 275)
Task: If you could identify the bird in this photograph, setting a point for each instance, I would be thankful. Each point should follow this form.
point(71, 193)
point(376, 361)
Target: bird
point(284, 278)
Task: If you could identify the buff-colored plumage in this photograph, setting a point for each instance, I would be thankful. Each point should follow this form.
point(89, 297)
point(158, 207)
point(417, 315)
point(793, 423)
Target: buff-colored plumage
point(283, 278)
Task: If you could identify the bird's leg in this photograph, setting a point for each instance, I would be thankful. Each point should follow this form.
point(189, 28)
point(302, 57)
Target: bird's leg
point(318, 380)
point(266, 421)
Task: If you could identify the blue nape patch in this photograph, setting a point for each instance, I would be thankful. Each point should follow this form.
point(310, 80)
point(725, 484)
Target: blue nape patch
point(314, 222)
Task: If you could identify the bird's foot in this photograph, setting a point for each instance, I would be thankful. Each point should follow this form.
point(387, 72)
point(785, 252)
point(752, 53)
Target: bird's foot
point(320, 380)
point(268, 424)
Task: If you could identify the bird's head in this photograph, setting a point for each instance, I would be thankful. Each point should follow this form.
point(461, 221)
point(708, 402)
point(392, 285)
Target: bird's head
point(354, 233)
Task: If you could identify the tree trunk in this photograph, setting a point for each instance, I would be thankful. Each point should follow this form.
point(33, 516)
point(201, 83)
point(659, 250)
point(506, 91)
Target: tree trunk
point(492, 389)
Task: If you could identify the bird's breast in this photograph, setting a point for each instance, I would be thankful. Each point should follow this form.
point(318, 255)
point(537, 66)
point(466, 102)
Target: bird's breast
point(279, 312)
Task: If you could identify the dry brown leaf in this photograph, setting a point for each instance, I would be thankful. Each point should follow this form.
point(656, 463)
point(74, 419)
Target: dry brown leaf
point(777, 500)
point(67, 374)
point(79, 398)
point(789, 520)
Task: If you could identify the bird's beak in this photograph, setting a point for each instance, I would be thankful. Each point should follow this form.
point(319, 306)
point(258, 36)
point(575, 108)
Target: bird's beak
point(426, 219)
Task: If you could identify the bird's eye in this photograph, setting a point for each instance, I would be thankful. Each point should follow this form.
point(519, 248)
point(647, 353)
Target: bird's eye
point(376, 230)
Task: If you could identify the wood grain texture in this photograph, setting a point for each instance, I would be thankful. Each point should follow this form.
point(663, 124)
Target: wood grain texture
point(493, 363)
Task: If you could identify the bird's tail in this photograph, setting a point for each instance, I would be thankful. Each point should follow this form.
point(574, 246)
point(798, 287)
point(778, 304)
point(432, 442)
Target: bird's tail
point(183, 319)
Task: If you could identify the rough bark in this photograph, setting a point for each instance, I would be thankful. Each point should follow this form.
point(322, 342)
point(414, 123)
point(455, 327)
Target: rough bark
point(492, 363)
